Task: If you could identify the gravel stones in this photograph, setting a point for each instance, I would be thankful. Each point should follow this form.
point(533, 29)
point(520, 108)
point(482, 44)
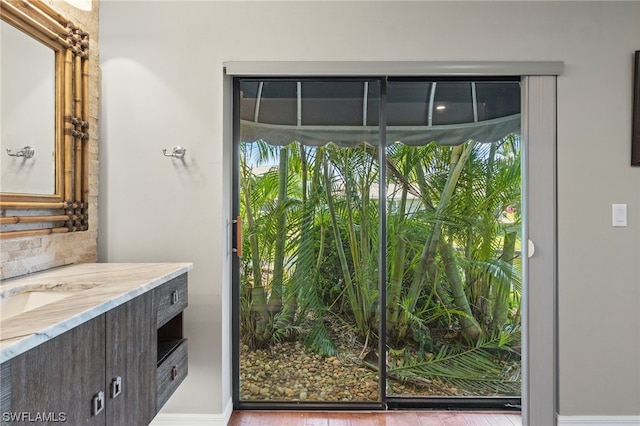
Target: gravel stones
point(287, 372)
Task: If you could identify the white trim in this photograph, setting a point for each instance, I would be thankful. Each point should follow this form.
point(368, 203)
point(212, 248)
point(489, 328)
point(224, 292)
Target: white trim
point(176, 419)
point(391, 68)
point(598, 420)
point(183, 419)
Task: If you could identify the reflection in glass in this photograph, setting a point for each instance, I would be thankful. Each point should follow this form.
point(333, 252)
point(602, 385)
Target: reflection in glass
point(27, 112)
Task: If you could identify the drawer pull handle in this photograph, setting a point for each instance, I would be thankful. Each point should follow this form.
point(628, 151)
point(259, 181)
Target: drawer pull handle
point(116, 386)
point(174, 297)
point(174, 372)
point(97, 403)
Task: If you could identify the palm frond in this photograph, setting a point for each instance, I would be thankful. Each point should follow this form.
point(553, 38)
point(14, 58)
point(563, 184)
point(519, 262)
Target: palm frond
point(319, 340)
point(472, 371)
point(287, 333)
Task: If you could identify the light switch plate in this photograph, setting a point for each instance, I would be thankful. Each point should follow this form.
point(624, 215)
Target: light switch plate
point(619, 214)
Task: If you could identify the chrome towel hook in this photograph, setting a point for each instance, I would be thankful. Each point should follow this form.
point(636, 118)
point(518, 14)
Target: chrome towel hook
point(178, 152)
point(26, 152)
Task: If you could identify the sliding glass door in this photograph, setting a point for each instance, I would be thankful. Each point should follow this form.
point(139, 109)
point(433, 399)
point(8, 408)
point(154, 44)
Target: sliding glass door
point(380, 242)
point(454, 234)
point(309, 278)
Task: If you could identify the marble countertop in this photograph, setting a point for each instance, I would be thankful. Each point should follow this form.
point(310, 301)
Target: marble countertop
point(98, 287)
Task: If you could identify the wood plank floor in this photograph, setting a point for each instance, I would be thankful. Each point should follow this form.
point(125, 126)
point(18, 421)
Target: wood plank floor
point(367, 418)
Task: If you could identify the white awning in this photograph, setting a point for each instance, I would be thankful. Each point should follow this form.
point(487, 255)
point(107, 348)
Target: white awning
point(346, 136)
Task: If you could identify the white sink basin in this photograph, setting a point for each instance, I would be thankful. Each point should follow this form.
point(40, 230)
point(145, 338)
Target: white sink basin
point(28, 299)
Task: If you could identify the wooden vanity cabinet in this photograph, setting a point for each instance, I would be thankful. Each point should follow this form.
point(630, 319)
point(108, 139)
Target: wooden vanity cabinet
point(57, 379)
point(101, 372)
point(116, 369)
point(130, 362)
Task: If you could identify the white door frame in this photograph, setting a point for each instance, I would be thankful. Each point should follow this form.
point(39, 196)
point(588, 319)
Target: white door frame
point(540, 308)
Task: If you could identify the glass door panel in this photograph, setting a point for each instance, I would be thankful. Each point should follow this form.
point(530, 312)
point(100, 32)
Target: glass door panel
point(453, 239)
point(309, 300)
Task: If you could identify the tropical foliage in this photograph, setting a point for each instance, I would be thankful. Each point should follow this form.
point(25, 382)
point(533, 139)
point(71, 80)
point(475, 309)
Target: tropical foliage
point(452, 279)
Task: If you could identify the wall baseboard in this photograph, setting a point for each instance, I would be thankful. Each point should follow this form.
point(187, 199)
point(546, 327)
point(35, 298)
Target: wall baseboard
point(598, 421)
point(177, 419)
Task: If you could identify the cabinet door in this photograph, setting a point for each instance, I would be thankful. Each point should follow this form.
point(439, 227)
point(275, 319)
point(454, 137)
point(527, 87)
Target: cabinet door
point(131, 360)
point(57, 381)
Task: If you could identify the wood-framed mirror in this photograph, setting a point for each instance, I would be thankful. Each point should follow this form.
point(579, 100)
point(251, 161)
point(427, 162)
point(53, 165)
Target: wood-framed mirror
point(54, 118)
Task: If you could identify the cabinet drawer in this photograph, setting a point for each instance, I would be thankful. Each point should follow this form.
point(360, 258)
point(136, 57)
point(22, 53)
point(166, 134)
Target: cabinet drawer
point(171, 373)
point(171, 299)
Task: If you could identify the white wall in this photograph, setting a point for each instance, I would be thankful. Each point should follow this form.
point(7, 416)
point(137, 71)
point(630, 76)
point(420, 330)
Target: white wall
point(163, 86)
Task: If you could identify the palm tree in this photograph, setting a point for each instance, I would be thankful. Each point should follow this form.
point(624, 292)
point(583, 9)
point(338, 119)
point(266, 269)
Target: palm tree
point(312, 237)
point(278, 268)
